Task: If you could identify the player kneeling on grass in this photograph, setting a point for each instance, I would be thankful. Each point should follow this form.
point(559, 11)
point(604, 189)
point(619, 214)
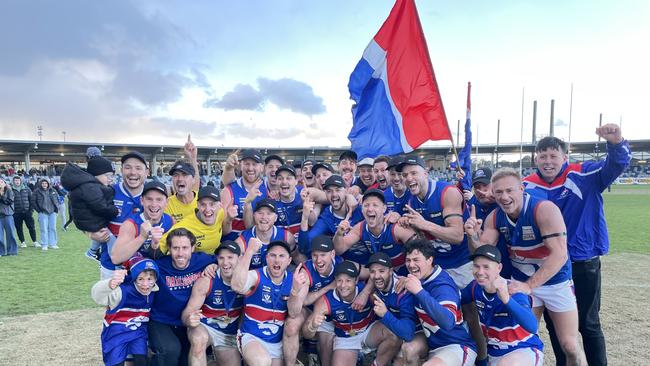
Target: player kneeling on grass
point(507, 320)
point(354, 329)
point(125, 328)
point(212, 313)
point(437, 304)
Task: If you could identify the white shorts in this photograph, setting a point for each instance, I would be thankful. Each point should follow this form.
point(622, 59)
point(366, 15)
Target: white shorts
point(535, 357)
point(327, 327)
point(462, 275)
point(355, 342)
point(454, 354)
point(557, 298)
point(220, 339)
point(274, 349)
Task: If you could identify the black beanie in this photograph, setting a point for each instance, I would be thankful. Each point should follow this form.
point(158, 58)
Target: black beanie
point(98, 165)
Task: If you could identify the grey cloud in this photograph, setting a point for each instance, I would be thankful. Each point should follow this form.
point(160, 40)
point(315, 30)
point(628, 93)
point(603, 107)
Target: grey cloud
point(285, 93)
point(243, 96)
point(143, 52)
point(291, 94)
point(560, 123)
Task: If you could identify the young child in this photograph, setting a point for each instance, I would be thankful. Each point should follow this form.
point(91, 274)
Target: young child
point(127, 314)
point(91, 198)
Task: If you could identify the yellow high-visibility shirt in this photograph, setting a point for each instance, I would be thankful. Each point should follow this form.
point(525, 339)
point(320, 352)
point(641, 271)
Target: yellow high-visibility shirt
point(179, 210)
point(208, 238)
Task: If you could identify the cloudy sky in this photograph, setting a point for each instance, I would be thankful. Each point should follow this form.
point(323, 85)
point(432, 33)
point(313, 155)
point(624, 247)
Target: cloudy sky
point(275, 73)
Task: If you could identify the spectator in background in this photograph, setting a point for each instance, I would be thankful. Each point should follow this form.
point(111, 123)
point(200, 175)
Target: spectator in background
point(61, 193)
point(46, 203)
point(23, 211)
point(9, 245)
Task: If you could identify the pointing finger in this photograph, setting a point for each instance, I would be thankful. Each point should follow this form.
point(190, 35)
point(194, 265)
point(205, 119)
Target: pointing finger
point(473, 212)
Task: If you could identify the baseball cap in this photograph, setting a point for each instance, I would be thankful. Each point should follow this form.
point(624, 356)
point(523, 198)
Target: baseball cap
point(154, 186)
point(334, 180)
point(482, 175)
point(410, 160)
point(317, 166)
point(348, 154)
point(209, 191)
point(265, 202)
point(278, 243)
point(322, 243)
point(395, 161)
point(286, 168)
point(251, 154)
point(273, 157)
point(380, 258)
point(374, 192)
point(297, 163)
point(229, 245)
point(308, 162)
point(348, 268)
point(135, 155)
point(488, 251)
point(366, 162)
point(182, 166)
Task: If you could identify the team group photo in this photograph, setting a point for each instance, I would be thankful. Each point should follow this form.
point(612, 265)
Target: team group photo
point(163, 241)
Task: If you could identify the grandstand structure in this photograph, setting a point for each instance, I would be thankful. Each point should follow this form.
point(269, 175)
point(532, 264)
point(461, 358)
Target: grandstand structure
point(25, 155)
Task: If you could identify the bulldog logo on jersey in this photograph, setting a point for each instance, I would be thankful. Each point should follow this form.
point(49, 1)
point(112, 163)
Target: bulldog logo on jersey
point(282, 215)
point(340, 315)
point(135, 323)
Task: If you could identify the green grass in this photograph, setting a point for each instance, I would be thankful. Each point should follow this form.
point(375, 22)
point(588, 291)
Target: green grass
point(627, 212)
point(57, 280)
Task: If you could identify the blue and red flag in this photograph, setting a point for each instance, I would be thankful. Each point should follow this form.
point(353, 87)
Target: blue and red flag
point(398, 105)
point(465, 155)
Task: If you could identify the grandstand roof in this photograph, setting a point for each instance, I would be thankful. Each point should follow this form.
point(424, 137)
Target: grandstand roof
point(59, 151)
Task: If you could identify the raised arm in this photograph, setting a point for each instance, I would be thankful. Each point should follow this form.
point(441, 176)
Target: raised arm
point(192, 154)
point(128, 242)
point(452, 214)
point(241, 277)
point(342, 241)
point(317, 317)
point(477, 236)
point(192, 313)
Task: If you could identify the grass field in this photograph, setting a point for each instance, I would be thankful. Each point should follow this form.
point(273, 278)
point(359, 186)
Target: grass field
point(58, 280)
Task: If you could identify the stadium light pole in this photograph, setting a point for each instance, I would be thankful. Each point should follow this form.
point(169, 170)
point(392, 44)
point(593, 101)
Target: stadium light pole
point(63, 132)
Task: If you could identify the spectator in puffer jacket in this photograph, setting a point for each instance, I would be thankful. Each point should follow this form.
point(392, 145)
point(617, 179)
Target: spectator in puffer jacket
point(91, 197)
point(46, 203)
point(23, 210)
point(8, 245)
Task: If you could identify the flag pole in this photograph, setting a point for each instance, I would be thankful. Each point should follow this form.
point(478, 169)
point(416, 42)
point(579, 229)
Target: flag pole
point(435, 82)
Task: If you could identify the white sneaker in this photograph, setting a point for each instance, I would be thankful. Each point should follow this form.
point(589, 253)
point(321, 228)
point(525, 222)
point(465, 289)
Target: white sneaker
point(54, 247)
point(37, 245)
point(44, 248)
point(23, 245)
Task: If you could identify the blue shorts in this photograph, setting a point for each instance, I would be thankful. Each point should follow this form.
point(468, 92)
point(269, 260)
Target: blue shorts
point(118, 354)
